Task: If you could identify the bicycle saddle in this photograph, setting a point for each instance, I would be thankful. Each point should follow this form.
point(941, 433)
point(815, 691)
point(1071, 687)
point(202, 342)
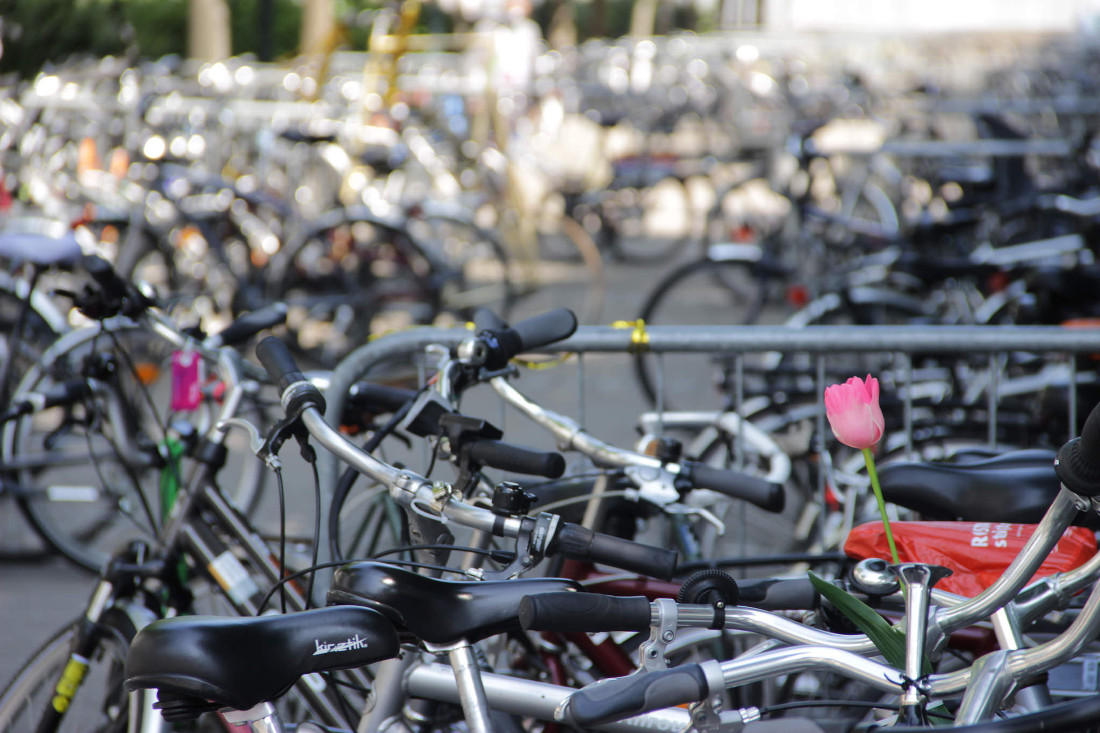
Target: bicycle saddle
point(1017, 486)
point(39, 249)
point(203, 663)
point(438, 611)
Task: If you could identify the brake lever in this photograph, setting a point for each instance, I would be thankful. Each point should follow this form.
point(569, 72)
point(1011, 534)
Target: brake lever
point(697, 511)
point(256, 442)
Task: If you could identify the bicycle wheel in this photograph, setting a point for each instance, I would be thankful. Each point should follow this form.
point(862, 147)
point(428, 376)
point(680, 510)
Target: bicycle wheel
point(201, 266)
point(36, 336)
point(87, 474)
point(354, 274)
point(486, 270)
point(704, 292)
point(100, 703)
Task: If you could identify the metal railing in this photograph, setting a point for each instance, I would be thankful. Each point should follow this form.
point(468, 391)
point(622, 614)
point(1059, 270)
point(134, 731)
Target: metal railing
point(738, 342)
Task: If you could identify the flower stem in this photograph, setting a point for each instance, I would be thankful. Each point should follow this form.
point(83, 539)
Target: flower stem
point(870, 461)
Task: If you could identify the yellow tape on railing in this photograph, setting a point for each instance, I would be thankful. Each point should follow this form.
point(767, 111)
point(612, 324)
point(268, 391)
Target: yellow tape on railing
point(639, 339)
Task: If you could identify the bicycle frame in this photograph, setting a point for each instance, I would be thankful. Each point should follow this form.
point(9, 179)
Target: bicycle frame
point(207, 527)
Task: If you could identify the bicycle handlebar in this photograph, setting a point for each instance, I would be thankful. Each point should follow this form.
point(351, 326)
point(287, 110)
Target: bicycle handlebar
point(501, 343)
point(65, 393)
point(1078, 464)
point(765, 494)
point(585, 545)
point(279, 363)
point(248, 325)
point(568, 611)
point(517, 459)
point(409, 489)
point(378, 397)
point(623, 697)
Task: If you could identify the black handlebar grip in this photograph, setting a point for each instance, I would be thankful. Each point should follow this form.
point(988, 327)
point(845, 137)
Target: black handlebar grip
point(778, 594)
point(379, 397)
point(580, 543)
point(625, 697)
point(514, 458)
point(1078, 462)
point(567, 612)
point(545, 329)
point(250, 324)
point(765, 494)
point(279, 362)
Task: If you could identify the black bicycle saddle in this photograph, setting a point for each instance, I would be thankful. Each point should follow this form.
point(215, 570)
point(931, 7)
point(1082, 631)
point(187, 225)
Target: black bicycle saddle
point(203, 663)
point(434, 610)
point(1017, 486)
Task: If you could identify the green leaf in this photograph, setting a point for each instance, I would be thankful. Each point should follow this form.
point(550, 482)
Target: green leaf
point(888, 639)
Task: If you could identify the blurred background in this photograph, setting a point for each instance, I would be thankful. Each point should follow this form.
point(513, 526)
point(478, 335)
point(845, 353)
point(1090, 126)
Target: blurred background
point(380, 165)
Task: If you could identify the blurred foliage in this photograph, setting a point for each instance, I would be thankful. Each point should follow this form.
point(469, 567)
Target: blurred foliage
point(38, 32)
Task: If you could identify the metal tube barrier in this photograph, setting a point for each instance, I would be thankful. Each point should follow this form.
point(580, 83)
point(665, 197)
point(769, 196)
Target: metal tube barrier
point(821, 341)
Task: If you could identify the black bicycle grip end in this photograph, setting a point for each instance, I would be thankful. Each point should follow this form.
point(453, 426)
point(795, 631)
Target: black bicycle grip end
point(1078, 462)
point(566, 611)
point(250, 324)
point(735, 484)
point(580, 543)
point(625, 697)
point(545, 329)
point(279, 362)
point(517, 459)
point(778, 594)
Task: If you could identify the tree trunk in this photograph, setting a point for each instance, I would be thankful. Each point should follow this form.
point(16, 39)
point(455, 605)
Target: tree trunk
point(318, 24)
point(208, 30)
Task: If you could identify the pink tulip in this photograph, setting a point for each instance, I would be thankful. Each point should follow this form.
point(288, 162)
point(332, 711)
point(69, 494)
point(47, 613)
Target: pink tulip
point(854, 412)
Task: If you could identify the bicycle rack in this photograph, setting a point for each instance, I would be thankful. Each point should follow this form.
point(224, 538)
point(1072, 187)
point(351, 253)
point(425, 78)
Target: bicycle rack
point(819, 342)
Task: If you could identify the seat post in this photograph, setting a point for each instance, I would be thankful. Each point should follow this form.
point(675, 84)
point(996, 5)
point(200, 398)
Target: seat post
point(471, 691)
point(260, 718)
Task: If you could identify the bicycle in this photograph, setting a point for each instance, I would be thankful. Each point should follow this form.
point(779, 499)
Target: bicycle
point(203, 554)
point(656, 688)
point(105, 411)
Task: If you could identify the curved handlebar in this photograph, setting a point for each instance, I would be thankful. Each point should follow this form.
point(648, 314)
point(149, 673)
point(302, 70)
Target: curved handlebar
point(248, 325)
point(502, 342)
point(567, 611)
point(765, 494)
point(580, 543)
point(517, 459)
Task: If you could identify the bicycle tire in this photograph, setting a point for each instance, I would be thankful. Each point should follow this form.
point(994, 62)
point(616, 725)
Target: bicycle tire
point(100, 703)
point(484, 262)
point(703, 292)
point(201, 266)
point(354, 274)
point(38, 334)
point(81, 490)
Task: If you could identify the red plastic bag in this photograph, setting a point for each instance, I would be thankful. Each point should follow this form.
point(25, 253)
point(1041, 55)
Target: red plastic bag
point(977, 552)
